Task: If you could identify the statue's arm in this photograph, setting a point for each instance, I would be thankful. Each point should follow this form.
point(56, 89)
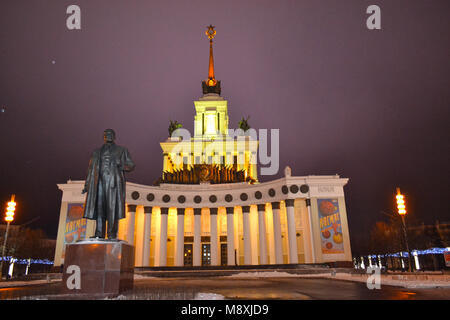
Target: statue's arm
point(127, 164)
point(88, 177)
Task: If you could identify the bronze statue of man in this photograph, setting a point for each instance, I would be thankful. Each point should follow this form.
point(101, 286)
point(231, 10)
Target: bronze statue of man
point(105, 186)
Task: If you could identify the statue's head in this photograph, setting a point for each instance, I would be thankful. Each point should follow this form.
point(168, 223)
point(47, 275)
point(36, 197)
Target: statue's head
point(109, 135)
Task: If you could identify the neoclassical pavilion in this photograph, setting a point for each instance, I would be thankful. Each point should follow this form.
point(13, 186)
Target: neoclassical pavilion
point(208, 207)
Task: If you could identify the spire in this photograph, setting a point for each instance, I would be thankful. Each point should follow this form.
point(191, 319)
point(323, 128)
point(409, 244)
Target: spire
point(211, 34)
point(211, 85)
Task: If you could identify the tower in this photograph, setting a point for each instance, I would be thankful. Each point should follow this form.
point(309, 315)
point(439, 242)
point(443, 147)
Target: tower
point(212, 143)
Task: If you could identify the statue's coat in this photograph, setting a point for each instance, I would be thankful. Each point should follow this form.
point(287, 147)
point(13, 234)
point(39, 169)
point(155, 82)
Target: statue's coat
point(124, 163)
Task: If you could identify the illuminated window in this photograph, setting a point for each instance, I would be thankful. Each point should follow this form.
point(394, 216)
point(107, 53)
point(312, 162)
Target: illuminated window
point(210, 124)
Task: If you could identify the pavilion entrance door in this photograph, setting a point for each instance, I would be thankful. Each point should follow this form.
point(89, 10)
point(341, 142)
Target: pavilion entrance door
point(206, 254)
point(223, 254)
point(188, 254)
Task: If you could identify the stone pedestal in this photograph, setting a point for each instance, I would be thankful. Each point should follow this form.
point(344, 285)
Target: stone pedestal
point(98, 267)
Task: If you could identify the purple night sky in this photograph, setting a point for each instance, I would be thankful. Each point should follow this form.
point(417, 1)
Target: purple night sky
point(372, 106)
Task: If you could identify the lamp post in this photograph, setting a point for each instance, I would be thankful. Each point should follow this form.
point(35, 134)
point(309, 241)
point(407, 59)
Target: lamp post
point(402, 212)
point(9, 217)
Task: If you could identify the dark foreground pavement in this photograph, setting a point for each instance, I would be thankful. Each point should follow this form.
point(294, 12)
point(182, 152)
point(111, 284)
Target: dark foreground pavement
point(241, 288)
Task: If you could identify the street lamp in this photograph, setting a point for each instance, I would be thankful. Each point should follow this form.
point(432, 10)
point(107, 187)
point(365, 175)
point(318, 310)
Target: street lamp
point(9, 218)
point(401, 207)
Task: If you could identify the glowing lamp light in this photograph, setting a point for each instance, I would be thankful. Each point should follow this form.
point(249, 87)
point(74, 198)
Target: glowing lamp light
point(400, 203)
point(10, 210)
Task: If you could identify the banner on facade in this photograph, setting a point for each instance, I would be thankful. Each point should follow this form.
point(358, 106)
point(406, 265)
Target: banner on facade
point(447, 258)
point(75, 223)
point(330, 226)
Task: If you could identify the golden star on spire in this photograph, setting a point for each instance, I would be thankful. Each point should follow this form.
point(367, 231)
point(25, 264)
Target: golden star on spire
point(210, 32)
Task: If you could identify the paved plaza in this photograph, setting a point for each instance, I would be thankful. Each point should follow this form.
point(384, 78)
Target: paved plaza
point(284, 288)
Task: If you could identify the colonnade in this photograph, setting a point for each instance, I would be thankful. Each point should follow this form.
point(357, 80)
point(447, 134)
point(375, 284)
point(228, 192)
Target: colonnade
point(263, 230)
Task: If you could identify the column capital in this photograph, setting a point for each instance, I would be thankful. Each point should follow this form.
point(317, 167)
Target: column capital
point(230, 210)
point(131, 207)
point(197, 211)
point(148, 209)
point(246, 209)
point(289, 202)
point(164, 210)
point(180, 211)
point(261, 207)
point(276, 205)
point(213, 211)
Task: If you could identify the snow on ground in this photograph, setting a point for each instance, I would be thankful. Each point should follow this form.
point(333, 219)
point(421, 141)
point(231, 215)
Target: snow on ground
point(139, 277)
point(208, 296)
point(269, 274)
point(432, 282)
point(9, 284)
point(385, 280)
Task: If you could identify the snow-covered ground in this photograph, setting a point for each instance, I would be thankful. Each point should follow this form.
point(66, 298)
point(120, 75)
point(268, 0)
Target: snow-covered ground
point(435, 282)
point(208, 296)
point(263, 274)
point(9, 284)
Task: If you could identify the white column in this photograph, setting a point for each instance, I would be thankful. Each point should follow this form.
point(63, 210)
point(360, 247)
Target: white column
point(147, 236)
point(277, 233)
point(270, 238)
point(214, 237)
point(165, 161)
point(139, 236)
point(247, 244)
point(254, 225)
point(197, 250)
point(313, 252)
point(230, 236)
point(179, 247)
point(293, 253)
point(131, 222)
point(262, 234)
point(306, 231)
point(163, 238)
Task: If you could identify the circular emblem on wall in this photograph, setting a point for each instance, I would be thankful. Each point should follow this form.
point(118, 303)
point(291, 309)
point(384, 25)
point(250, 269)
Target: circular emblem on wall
point(244, 197)
point(150, 197)
point(228, 198)
point(135, 195)
point(293, 188)
point(212, 198)
point(166, 198)
point(304, 188)
point(258, 195)
point(197, 199)
point(181, 199)
point(205, 173)
point(272, 192)
point(284, 189)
